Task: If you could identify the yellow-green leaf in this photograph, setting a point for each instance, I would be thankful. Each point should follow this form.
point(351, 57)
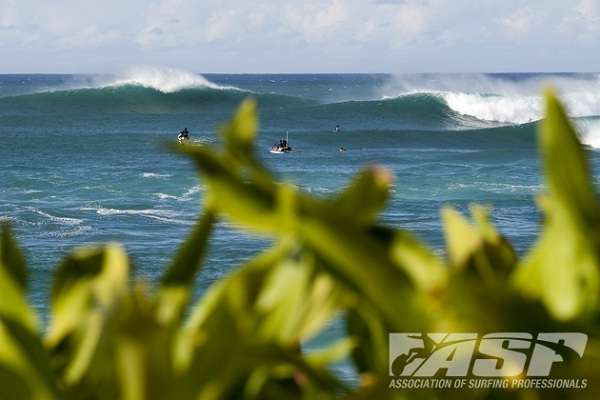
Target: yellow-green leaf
point(87, 281)
point(562, 269)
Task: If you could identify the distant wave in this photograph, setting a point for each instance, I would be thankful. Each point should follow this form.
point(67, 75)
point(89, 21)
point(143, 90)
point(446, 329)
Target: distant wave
point(165, 80)
point(186, 94)
point(142, 89)
point(420, 111)
point(120, 98)
point(155, 175)
point(496, 108)
point(161, 215)
point(504, 98)
point(589, 129)
point(404, 102)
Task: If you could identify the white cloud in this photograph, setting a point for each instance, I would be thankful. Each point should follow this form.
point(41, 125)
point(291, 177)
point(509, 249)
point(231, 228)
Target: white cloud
point(588, 10)
point(286, 35)
point(313, 19)
point(518, 24)
point(9, 15)
point(582, 25)
point(223, 25)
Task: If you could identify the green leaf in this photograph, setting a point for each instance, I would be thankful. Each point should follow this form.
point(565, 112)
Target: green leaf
point(361, 262)
point(14, 386)
point(22, 354)
point(478, 245)
point(13, 302)
point(176, 285)
point(87, 281)
point(240, 133)
point(245, 202)
point(562, 268)
point(13, 279)
point(88, 293)
point(567, 171)
point(142, 348)
point(84, 344)
point(295, 302)
point(461, 239)
point(370, 333)
point(188, 259)
point(12, 259)
point(361, 202)
point(423, 267)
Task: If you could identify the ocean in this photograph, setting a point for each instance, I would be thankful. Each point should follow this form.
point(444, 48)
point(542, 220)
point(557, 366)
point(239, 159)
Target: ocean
point(85, 159)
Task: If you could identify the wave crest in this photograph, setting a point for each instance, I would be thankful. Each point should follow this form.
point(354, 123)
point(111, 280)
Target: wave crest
point(505, 109)
point(504, 98)
point(165, 80)
point(589, 131)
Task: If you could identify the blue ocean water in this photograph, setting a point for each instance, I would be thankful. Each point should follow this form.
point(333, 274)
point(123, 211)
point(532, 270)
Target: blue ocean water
point(85, 159)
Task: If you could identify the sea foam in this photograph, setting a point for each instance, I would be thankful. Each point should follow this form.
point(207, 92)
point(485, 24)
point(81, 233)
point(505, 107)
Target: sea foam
point(589, 130)
point(166, 80)
point(505, 98)
point(506, 109)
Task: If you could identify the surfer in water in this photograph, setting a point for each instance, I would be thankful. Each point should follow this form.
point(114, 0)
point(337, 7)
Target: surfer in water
point(184, 134)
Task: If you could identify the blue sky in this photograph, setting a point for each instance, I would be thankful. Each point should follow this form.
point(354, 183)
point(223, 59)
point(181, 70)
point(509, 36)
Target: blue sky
point(238, 36)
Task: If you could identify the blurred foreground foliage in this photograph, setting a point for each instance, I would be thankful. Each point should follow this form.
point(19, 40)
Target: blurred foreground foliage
point(112, 337)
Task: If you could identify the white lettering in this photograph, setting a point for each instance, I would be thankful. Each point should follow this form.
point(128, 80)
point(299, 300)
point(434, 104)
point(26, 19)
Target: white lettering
point(549, 349)
point(494, 355)
point(505, 361)
point(453, 354)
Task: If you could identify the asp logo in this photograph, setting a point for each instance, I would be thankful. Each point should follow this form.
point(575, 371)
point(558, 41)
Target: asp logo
point(499, 354)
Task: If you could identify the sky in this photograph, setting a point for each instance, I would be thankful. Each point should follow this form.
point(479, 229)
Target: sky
point(291, 36)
